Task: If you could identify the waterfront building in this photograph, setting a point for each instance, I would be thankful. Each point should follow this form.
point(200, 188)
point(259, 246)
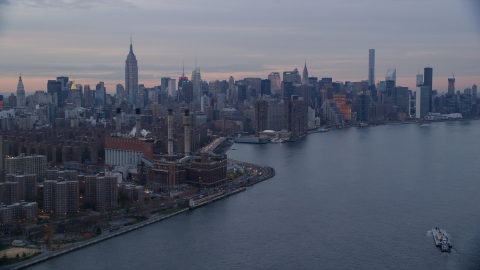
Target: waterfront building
point(402, 99)
point(423, 102)
point(131, 72)
point(101, 193)
point(474, 94)
point(428, 81)
point(331, 114)
point(72, 197)
point(296, 120)
point(362, 107)
point(207, 171)
point(261, 116)
point(371, 67)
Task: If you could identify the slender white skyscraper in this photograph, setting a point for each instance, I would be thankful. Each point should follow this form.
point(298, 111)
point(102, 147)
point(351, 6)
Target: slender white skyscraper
point(371, 67)
point(20, 93)
point(131, 72)
point(418, 95)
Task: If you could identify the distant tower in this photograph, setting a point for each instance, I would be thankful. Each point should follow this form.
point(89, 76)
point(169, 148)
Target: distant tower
point(371, 67)
point(20, 93)
point(197, 86)
point(474, 94)
point(428, 81)
point(451, 86)
point(391, 83)
point(305, 74)
point(418, 95)
point(131, 72)
point(74, 95)
point(276, 81)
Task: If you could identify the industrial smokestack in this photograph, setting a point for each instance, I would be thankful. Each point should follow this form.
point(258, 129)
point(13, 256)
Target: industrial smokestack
point(170, 132)
point(119, 120)
point(186, 128)
point(139, 124)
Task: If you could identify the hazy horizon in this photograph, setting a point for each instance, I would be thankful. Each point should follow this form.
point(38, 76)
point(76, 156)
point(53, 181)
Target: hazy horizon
point(88, 40)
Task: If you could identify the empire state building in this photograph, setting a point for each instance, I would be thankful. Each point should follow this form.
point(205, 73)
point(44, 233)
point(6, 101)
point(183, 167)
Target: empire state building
point(131, 73)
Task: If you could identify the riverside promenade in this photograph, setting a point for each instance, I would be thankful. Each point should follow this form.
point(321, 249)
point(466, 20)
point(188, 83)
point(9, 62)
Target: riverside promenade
point(104, 236)
point(267, 172)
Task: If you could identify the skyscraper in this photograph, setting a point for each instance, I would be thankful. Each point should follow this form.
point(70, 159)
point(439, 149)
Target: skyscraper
point(305, 74)
point(428, 81)
point(131, 72)
point(474, 94)
point(197, 87)
point(371, 67)
point(292, 76)
point(20, 93)
point(274, 77)
point(451, 86)
point(419, 84)
point(74, 96)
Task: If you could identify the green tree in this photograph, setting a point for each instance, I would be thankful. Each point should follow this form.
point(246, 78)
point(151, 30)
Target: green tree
point(99, 231)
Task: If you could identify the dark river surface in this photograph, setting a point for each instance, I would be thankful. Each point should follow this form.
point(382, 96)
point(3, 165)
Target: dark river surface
point(358, 198)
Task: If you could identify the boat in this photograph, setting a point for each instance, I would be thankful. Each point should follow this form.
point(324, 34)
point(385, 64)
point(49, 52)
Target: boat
point(425, 125)
point(441, 239)
point(276, 140)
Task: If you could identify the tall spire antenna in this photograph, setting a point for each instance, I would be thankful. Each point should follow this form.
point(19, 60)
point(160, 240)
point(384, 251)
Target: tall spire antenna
point(195, 61)
point(183, 72)
point(130, 38)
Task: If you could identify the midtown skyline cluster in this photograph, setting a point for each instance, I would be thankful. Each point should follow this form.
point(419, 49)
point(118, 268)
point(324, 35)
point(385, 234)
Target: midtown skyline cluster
point(42, 39)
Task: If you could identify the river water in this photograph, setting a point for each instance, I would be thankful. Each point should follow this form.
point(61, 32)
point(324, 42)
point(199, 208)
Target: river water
point(358, 198)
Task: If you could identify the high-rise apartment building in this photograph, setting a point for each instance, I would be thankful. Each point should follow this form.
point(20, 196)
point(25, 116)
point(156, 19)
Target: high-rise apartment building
point(371, 67)
point(296, 117)
point(35, 164)
point(131, 72)
point(101, 192)
point(72, 197)
point(261, 116)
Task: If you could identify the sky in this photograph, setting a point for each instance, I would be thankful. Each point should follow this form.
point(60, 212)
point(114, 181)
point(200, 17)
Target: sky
point(88, 40)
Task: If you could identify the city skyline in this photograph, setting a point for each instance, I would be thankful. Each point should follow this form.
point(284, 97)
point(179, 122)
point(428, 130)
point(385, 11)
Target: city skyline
point(231, 45)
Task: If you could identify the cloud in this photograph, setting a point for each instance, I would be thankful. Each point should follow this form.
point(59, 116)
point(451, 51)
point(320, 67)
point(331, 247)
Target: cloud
point(75, 4)
point(5, 2)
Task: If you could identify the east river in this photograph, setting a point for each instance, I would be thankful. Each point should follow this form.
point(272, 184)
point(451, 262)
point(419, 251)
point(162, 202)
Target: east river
point(357, 198)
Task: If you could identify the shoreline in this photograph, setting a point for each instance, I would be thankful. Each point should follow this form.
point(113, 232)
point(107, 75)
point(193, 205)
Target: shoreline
point(75, 246)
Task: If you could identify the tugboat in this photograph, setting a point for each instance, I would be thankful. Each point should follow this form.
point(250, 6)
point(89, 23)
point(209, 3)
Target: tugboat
point(441, 239)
